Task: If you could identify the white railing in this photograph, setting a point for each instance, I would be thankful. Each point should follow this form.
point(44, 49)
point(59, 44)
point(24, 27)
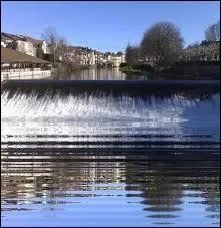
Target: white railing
point(16, 75)
point(21, 69)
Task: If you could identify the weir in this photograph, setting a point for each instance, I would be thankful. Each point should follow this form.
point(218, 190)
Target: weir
point(127, 114)
point(117, 88)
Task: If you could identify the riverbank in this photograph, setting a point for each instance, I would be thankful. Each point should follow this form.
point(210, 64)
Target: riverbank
point(182, 71)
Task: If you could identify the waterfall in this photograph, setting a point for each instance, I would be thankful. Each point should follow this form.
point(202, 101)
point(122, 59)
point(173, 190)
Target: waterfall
point(87, 120)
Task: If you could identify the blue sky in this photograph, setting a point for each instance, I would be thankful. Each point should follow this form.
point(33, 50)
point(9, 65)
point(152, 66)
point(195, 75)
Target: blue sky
point(107, 26)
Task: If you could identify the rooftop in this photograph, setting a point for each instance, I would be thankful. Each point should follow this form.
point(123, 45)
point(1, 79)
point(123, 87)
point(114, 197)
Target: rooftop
point(11, 56)
point(204, 43)
point(6, 36)
point(35, 42)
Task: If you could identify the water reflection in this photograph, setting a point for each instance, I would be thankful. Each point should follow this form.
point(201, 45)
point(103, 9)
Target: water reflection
point(178, 182)
point(167, 187)
point(95, 74)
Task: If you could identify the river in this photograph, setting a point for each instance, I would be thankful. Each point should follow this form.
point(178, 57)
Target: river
point(113, 73)
point(110, 161)
point(101, 74)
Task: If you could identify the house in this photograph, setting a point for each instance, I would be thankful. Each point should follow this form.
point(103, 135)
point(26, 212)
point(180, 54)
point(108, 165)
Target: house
point(116, 61)
point(18, 65)
point(17, 42)
point(91, 58)
point(123, 58)
point(25, 47)
point(24, 44)
point(7, 38)
point(70, 56)
point(206, 51)
point(77, 56)
point(39, 43)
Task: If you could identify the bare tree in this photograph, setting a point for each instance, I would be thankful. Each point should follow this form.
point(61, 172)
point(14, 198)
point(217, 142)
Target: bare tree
point(58, 44)
point(71, 56)
point(119, 53)
point(162, 44)
point(132, 55)
point(213, 32)
point(62, 48)
point(212, 50)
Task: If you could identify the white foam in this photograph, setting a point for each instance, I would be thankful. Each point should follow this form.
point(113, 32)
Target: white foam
point(24, 115)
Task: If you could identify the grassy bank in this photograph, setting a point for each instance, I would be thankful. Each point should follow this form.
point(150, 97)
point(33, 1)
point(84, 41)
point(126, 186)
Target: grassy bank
point(130, 70)
point(181, 70)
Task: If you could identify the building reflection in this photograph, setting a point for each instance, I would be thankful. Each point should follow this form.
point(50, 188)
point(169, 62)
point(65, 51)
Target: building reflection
point(27, 177)
point(163, 180)
point(98, 74)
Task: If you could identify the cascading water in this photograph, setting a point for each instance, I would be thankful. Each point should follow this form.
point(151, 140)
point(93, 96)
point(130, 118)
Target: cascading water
point(26, 118)
point(94, 159)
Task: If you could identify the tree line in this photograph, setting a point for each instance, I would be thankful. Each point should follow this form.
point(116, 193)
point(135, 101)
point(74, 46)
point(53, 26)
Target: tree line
point(162, 45)
point(60, 47)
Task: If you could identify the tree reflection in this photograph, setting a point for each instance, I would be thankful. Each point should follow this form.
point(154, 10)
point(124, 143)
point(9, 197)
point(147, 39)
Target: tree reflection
point(164, 178)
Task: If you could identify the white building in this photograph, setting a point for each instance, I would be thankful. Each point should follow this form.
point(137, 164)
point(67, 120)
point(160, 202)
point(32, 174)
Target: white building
point(116, 61)
point(3, 44)
point(123, 58)
point(25, 47)
point(45, 47)
point(91, 58)
point(24, 44)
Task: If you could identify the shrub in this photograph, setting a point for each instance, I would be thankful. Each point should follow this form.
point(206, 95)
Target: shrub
point(143, 67)
point(123, 64)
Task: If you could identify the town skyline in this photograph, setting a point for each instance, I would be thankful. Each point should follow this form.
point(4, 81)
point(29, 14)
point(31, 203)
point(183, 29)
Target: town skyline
point(106, 26)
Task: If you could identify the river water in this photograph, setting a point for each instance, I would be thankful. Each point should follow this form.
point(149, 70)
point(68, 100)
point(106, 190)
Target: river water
point(100, 74)
point(109, 161)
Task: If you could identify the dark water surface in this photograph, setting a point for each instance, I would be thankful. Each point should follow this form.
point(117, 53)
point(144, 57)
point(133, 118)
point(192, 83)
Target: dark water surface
point(113, 73)
point(110, 161)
